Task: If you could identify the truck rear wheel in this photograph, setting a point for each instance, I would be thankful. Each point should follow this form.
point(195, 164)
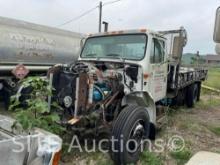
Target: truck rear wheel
point(199, 90)
point(129, 130)
point(192, 95)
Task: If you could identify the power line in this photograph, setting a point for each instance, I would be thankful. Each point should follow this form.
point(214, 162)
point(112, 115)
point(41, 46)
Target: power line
point(87, 12)
point(78, 17)
point(111, 2)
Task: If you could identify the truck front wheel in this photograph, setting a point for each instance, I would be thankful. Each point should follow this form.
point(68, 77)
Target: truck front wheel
point(129, 130)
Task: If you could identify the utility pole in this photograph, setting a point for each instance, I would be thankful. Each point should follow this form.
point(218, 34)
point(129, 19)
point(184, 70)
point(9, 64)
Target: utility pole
point(100, 16)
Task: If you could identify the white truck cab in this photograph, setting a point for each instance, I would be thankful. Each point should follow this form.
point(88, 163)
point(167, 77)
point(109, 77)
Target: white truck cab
point(144, 48)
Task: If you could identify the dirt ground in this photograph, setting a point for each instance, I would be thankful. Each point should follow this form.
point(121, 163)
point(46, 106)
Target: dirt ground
point(199, 127)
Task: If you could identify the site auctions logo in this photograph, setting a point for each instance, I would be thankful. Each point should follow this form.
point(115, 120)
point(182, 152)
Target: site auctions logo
point(174, 144)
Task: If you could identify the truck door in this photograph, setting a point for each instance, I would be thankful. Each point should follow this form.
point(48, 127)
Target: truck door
point(158, 69)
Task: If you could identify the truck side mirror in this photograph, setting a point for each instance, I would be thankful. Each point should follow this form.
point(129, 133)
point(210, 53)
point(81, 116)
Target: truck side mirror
point(216, 36)
point(178, 44)
point(82, 42)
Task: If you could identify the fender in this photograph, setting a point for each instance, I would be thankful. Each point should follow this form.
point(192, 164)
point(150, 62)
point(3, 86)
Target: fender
point(143, 99)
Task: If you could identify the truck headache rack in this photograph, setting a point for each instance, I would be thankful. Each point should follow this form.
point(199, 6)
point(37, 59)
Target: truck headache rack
point(179, 77)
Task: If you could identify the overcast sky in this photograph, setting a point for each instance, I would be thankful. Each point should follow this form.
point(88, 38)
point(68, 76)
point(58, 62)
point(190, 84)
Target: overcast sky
point(197, 16)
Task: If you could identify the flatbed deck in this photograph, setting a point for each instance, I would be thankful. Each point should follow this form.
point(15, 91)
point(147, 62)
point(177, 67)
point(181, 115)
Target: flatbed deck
point(188, 76)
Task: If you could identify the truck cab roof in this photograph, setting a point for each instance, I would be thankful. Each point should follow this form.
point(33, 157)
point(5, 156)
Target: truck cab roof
point(131, 31)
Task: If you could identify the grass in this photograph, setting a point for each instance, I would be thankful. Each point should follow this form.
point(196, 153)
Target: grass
point(209, 102)
point(182, 156)
point(150, 158)
point(213, 78)
point(187, 124)
point(87, 158)
point(214, 129)
point(210, 99)
point(99, 158)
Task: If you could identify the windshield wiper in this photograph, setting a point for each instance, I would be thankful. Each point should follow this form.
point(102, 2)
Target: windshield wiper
point(116, 55)
point(90, 55)
point(113, 55)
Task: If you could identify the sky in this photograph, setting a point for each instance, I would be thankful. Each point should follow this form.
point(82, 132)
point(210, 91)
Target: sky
point(197, 16)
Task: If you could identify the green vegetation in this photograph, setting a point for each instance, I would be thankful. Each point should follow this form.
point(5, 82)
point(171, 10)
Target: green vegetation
point(186, 123)
point(33, 110)
point(182, 156)
point(99, 158)
point(210, 101)
point(191, 58)
point(187, 58)
point(150, 158)
point(214, 129)
point(213, 78)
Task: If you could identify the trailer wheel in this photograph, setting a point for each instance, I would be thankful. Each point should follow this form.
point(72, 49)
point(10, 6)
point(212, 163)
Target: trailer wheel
point(191, 95)
point(129, 130)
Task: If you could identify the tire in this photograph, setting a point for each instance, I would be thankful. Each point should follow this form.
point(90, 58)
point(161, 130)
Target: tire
point(132, 123)
point(179, 100)
point(199, 91)
point(191, 95)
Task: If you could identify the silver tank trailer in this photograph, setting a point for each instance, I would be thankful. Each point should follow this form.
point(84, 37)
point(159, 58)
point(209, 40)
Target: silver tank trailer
point(35, 45)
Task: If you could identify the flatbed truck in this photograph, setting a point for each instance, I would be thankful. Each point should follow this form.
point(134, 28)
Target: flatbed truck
point(120, 80)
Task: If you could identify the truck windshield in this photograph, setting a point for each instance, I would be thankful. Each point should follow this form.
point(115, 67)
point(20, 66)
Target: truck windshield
point(130, 46)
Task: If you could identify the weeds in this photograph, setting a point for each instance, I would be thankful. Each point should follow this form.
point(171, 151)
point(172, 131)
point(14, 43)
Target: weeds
point(182, 156)
point(213, 78)
point(150, 158)
point(210, 100)
point(215, 130)
point(31, 108)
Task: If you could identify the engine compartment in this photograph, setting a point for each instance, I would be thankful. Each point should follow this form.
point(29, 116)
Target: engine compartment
point(93, 91)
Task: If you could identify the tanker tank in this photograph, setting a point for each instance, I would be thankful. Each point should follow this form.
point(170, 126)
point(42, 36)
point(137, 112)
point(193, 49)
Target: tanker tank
point(33, 47)
point(37, 45)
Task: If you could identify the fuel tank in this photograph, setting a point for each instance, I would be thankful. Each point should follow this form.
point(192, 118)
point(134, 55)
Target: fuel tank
point(33, 44)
